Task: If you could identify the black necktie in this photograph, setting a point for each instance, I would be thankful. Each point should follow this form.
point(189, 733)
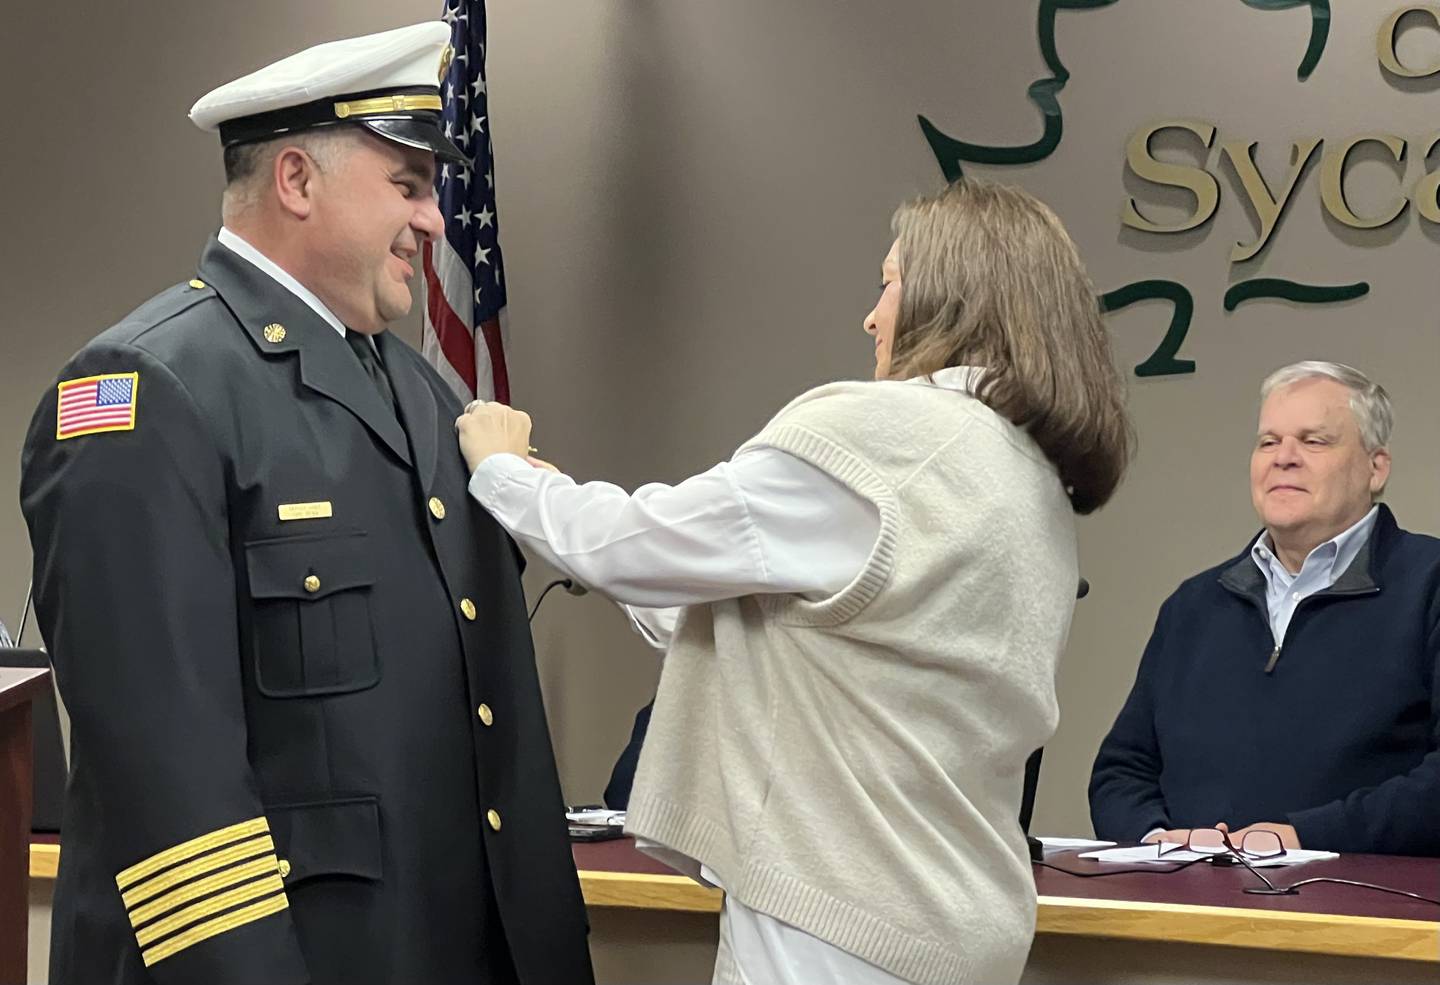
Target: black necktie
point(365, 352)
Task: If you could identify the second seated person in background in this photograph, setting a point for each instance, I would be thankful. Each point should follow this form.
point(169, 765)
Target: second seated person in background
point(1295, 688)
point(877, 588)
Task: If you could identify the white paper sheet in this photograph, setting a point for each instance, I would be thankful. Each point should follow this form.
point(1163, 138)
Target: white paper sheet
point(1072, 844)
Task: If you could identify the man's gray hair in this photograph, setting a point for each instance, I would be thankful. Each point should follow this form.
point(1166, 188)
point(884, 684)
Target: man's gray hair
point(247, 166)
point(1368, 400)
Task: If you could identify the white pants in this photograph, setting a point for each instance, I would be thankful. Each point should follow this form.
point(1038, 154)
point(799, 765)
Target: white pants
point(756, 949)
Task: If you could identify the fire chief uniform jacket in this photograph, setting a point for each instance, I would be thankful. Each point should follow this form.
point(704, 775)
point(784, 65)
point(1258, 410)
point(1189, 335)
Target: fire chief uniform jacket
point(307, 733)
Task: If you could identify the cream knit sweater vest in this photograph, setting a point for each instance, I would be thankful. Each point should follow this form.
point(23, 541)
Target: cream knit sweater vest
point(852, 766)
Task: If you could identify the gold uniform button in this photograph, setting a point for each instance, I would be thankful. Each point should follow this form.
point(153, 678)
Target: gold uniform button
point(493, 816)
point(284, 868)
point(274, 333)
point(437, 508)
point(468, 608)
point(199, 285)
point(486, 715)
point(312, 584)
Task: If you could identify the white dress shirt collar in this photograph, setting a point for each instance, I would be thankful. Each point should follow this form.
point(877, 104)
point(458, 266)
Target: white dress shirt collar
point(243, 249)
point(963, 378)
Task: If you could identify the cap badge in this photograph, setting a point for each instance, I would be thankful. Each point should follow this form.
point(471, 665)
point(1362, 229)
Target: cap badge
point(446, 57)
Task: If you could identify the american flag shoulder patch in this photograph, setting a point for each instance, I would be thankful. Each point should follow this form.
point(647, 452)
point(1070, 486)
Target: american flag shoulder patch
point(96, 404)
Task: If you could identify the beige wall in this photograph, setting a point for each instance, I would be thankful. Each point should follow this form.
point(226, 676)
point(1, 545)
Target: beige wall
point(694, 199)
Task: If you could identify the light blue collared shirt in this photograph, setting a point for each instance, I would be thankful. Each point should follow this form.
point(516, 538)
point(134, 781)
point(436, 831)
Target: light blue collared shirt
point(1323, 566)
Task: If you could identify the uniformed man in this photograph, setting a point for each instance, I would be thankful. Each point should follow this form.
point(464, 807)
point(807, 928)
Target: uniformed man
point(308, 740)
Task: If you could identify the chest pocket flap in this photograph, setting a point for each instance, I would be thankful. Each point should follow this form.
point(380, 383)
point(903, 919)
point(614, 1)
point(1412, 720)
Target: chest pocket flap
point(312, 627)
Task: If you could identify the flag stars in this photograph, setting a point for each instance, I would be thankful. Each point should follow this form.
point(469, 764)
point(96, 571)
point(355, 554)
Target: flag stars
point(465, 176)
point(477, 124)
point(490, 178)
point(478, 86)
point(482, 255)
point(464, 216)
point(486, 217)
point(478, 291)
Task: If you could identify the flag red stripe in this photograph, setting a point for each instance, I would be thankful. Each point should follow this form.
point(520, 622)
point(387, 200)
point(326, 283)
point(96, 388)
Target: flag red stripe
point(79, 420)
point(66, 432)
point(496, 345)
point(76, 415)
point(102, 422)
point(456, 341)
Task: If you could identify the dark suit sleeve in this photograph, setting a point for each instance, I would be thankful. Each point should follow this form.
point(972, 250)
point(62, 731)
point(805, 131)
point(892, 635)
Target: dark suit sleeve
point(1125, 798)
point(1396, 817)
point(135, 593)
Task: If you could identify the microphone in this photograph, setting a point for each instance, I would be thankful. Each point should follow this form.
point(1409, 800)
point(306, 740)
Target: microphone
point(1082, 590)
point(24, 614)
point(569, 584)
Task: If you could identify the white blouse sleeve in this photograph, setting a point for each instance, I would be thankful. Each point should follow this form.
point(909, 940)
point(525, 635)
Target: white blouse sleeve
point(765, 522)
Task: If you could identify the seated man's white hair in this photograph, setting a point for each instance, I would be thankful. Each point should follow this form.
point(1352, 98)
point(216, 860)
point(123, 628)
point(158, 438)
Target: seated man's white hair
point(1368, 400)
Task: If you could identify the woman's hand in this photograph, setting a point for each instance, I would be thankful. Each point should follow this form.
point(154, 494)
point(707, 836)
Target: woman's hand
point(487, 429)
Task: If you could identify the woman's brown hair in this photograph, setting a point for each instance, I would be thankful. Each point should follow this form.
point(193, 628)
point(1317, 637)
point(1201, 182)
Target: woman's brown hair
point(990, 278)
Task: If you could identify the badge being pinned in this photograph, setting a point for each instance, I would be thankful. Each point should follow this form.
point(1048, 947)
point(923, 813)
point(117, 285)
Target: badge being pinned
point(96, 404)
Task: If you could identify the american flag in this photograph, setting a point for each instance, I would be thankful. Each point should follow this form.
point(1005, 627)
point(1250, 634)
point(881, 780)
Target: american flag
point(464, 334)
point(96, 403)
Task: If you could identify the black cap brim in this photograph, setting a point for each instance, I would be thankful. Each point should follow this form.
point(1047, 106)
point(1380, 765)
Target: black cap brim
point(415, 131)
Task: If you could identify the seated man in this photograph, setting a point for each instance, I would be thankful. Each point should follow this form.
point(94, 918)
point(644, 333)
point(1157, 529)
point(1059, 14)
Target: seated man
point(1294, 688)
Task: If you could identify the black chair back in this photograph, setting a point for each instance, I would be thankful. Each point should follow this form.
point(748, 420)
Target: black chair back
point(1027, 793)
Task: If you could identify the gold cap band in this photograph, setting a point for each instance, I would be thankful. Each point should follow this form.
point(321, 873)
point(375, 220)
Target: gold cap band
point(387, 104)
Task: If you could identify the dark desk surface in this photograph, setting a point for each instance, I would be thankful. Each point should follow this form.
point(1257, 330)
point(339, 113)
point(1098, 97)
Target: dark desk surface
point(1204, 884)
point(619, 855)
point(1202, 904)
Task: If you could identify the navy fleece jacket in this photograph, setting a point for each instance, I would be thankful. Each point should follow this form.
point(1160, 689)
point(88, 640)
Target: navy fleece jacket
point(1336, 733)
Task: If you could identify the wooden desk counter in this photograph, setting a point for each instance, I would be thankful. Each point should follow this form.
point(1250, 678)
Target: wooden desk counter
point(19, 686)
point(615, 874)
point(1202, 905)
point(1206, 904)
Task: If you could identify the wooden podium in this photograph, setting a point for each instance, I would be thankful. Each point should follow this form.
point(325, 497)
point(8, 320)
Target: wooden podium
point(18, 687)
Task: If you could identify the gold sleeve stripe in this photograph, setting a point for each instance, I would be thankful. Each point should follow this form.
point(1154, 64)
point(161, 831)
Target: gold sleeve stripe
point(212, 928)
point(208, 908)
point(199, 867)
point(192, 891)
point(189, 849)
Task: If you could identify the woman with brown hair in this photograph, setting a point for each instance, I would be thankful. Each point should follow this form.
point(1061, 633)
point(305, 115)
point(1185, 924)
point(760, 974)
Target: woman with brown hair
point(863, 610)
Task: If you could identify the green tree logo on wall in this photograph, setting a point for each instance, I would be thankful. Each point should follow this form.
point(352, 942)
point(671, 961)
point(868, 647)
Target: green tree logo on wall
point(953, 154)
